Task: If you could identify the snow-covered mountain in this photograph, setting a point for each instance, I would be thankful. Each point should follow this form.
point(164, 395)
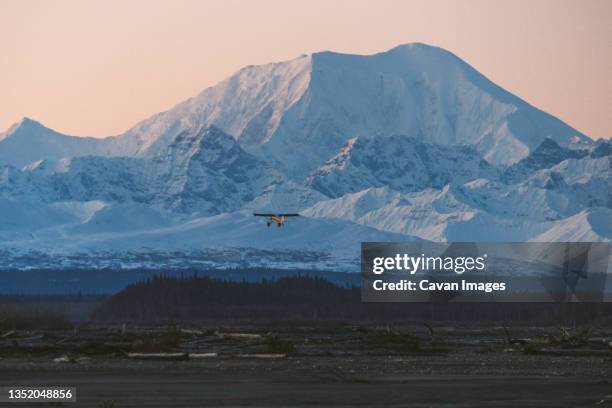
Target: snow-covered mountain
point(407, 144)
point(28, 141)
point(301, 112)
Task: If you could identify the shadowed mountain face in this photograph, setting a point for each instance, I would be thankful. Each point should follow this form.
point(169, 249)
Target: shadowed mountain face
point(408, 144)
point(204, 170)
point(545, 155)
point(402, 163)
point(208, 166)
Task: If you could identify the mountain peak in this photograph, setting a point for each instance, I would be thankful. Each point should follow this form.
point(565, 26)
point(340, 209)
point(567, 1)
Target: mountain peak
point(602, 148)
point(24, 124)
point(205, 136)
point(28, 121)
point(547, 145)
point(29, 141)
point(417, 46)
point(547, 154)
point(406, 48)
point(206, 143)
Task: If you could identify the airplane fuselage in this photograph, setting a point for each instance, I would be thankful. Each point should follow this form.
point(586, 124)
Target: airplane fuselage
point(280, 221)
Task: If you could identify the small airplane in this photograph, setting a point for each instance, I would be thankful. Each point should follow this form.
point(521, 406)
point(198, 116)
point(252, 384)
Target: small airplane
point(279, 219)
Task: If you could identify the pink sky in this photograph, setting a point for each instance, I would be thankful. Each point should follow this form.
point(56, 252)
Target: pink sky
point(97, 67)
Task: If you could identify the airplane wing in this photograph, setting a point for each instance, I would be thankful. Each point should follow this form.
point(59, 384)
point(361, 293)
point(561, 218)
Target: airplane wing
point(276, 214)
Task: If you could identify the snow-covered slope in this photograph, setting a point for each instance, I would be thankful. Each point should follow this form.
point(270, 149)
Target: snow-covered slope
point(79, 179)
point(587, 225)
point(248, 105)
point(125, 228)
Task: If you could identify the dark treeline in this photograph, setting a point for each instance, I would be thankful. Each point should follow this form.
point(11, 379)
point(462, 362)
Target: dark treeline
point(197, 298)
point(24, 311)
point(43, 298)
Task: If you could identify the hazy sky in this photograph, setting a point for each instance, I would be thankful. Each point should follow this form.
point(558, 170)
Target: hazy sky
point(90, 67)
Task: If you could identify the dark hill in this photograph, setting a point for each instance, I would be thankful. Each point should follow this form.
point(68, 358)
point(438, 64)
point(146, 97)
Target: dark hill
point(164, 299)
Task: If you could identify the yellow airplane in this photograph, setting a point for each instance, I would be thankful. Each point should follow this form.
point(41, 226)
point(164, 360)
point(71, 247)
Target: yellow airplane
point(279, 219)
